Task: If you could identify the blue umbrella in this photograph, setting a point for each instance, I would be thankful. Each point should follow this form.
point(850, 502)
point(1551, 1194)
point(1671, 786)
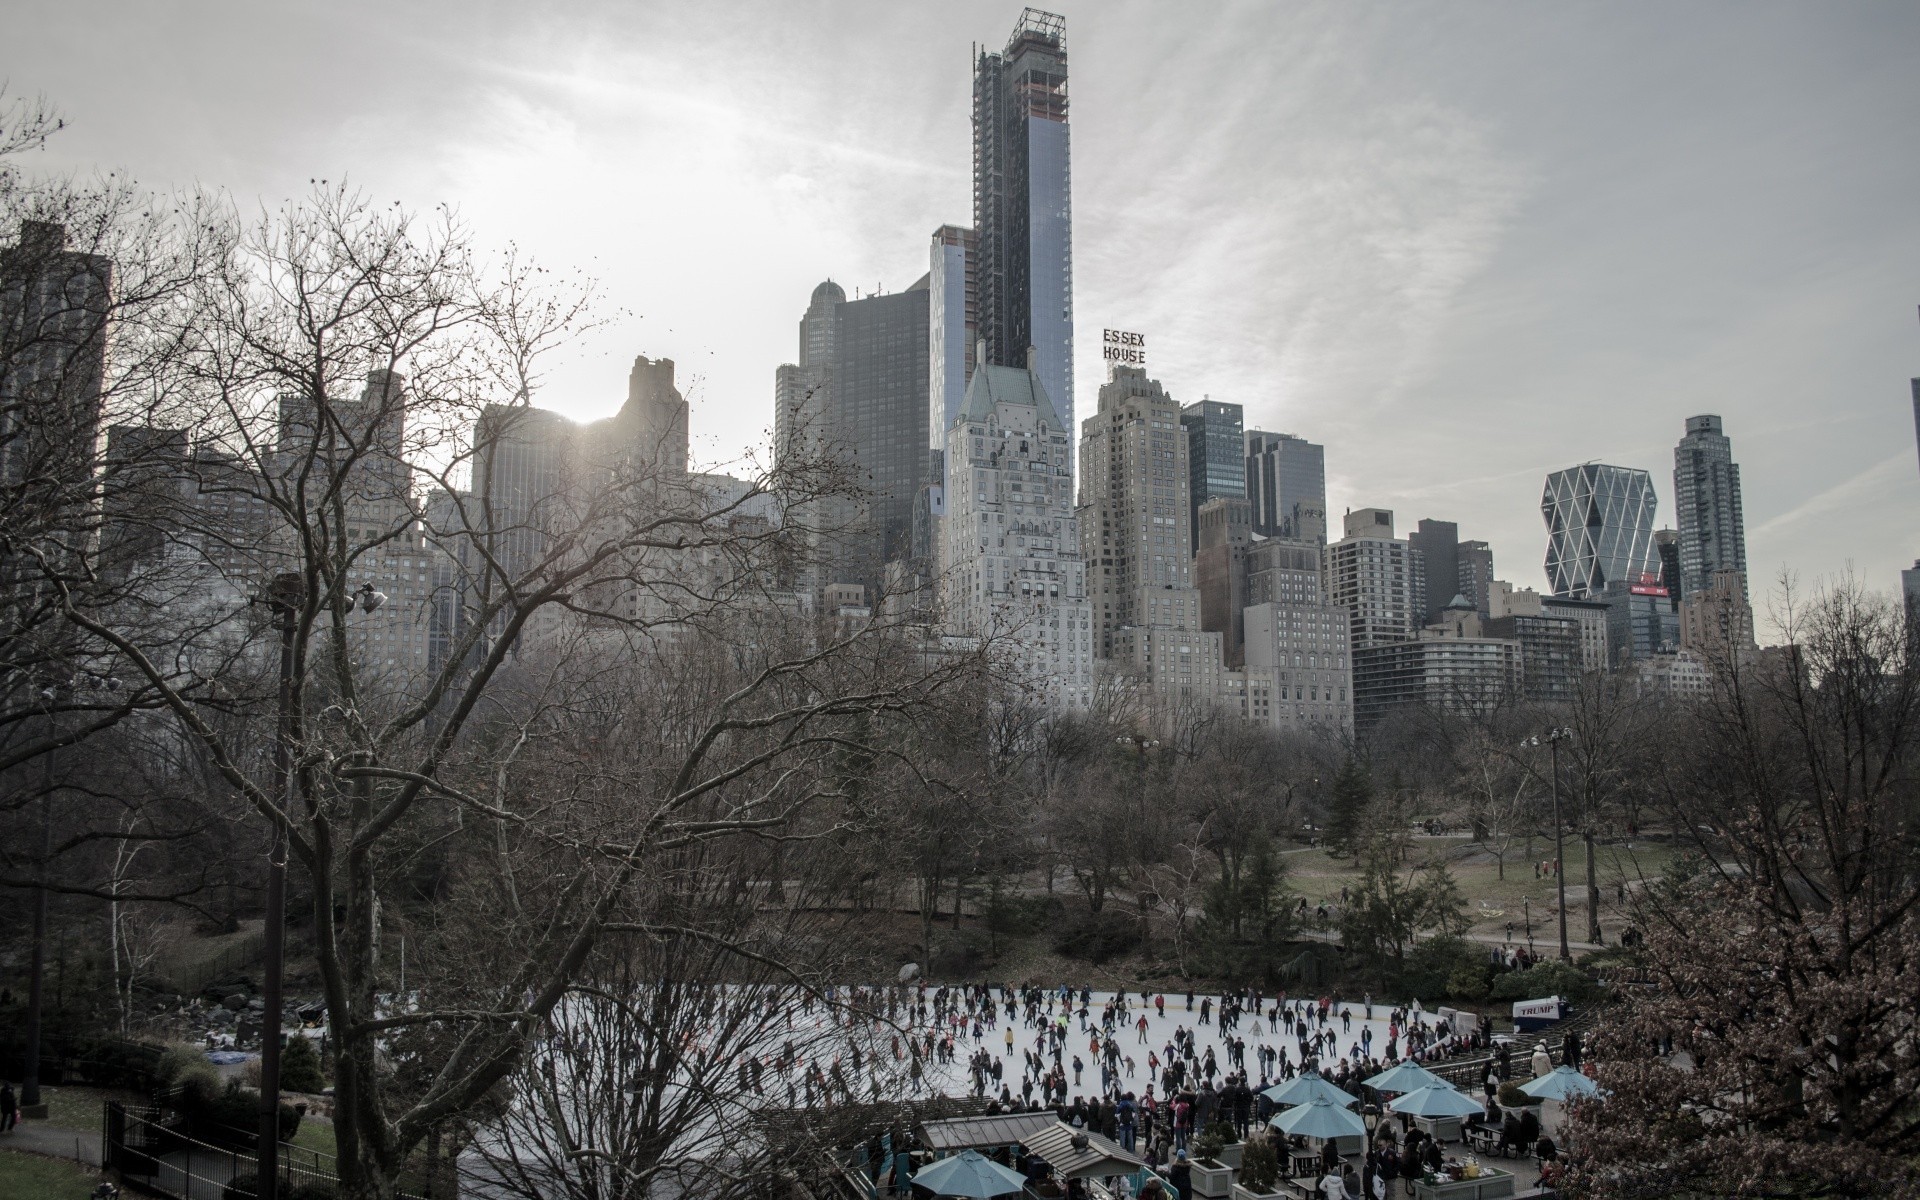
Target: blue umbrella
point(1409, 1076)
point(1305, 1088)
point(970, 1174)
point(1320, 1118)
point(1561, 1083)
point(1436, 1100)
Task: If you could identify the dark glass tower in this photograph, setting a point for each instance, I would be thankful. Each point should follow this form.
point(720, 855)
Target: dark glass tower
point(1706, 501)
point(1022, 206)
point(1287, 486)
point(1216, 456)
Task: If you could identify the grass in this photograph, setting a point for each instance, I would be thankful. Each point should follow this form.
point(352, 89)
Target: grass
point(1492, 901)
point(31, 1177)
point(73, 1107)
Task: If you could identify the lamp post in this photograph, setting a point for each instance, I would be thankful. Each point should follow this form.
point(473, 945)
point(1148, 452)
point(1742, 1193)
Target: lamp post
point(285, 597)
point(1554, 737)
point(1526, 907)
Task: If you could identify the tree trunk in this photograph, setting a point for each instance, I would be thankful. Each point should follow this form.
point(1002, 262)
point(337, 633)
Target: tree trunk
point(1593, 893)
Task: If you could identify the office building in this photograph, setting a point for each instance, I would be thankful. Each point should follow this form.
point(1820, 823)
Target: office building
point(1443, 671)
point(1216, 456)
point(54, 305)
point(1451, 567)
point(1680, 675)
point(860, 395)
point(1286, 481)
point(1377, 578)
point(1220, 573)
point(1910, 589)
point(1012, 551)
point(1599, 527)
point(1022, 206)
point(1641, 620)
point(1706, 505)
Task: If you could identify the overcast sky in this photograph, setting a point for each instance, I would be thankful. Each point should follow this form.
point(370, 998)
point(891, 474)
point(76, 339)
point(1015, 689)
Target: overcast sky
point(1460, 244)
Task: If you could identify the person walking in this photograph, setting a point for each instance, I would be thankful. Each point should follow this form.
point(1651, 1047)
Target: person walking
point(9, 1108)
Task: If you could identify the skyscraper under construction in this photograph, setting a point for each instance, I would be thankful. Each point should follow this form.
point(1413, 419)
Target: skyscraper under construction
point(1022, 207)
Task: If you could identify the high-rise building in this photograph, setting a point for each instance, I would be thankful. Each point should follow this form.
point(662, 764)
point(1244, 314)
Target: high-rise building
point(1022, 205)
point(1599, 527)
point(860, 393)
point(1286, 480)
point(1011, 558)
point(951, 331)
point(1377, 578)
point(1641, 620)
point(1133, 506)
point(1220, 573)
point(1299, 670)
point(1706, 503)
point(1551, 649)
point(54, 304)
point(1716, 622)
point(1133, 518)
point(1216, 456)
point(1474, 573)
point(1666, 551)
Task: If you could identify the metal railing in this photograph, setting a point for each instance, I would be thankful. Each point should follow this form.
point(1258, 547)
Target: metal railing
point(165, 1161)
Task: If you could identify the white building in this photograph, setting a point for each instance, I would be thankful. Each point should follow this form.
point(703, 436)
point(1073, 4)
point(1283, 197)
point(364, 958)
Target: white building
point(1010, 547)
point(1378, 579)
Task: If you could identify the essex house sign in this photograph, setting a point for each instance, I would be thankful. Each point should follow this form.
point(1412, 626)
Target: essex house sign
point(1120, 348)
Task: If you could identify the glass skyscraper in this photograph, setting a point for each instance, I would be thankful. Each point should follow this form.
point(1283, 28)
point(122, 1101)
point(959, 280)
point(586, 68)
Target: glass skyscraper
point(1023, 218)
point(1706, 502)
point(1216, 457)
point(1286, 480)
point(1599, 528)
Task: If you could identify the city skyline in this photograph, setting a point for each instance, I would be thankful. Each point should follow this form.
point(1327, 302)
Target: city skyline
point(1562, 271)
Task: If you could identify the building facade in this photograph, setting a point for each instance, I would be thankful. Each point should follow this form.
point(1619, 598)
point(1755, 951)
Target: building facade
point(951, 332)
point(1134, 532)
point(1022, 206)
point(1716, 622)
point(1706, 505)
point(1286, 480)
point(1011, 561)
point(1377, 578)
point(54, 305)
point(1641, 619)
point(1599, 527)
point(1216, 456)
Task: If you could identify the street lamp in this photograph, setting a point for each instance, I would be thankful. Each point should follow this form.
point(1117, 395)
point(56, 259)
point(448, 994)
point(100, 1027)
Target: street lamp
point(284, 597)
point(1555, 736)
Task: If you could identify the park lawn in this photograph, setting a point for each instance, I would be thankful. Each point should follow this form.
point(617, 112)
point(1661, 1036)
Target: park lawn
point(1491, 900)
point(32, 1177)
point(74, 1107)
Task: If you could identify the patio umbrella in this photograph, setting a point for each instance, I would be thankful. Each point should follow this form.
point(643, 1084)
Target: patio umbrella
point(1320, 1118)
point(970, 1174)
point(1305, 1088)
point(1409, 1076)
point(1436, 1100)
point(1561, 1083)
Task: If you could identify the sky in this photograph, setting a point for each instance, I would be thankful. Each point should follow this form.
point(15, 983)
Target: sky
point(1460, 244)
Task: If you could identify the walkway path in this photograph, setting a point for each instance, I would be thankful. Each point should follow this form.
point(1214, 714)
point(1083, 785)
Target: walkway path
point(38, 1137)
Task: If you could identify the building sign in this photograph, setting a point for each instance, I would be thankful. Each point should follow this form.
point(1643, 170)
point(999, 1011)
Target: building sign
point(1649, 585)
point(1123, 348)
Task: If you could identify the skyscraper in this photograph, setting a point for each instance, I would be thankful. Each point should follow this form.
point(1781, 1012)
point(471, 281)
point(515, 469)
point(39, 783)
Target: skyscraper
point(951, 330)
point(1216, 457)
point(1133, 502)
point(1012, 550)
point(1022, 205)
point(860, 392)
point(1706, 502)
point(1599, 528)
point(53, 343)
point(1286, 482)
point(1438, 545)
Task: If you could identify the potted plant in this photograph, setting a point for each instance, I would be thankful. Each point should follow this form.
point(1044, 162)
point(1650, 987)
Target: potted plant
point(1212, 1177)
point(1259, 1175)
